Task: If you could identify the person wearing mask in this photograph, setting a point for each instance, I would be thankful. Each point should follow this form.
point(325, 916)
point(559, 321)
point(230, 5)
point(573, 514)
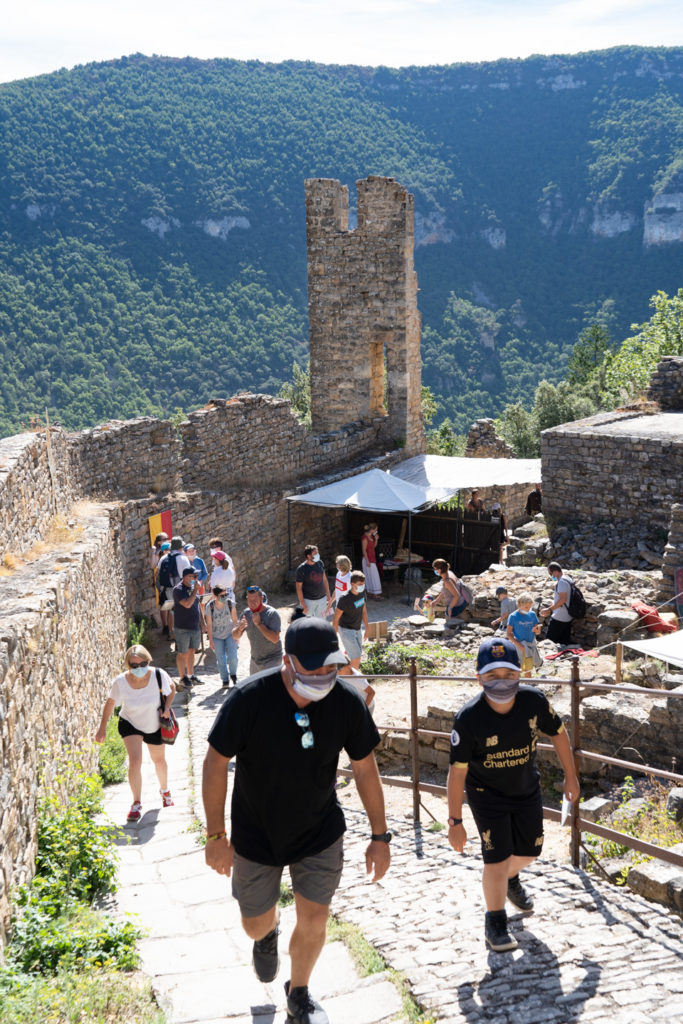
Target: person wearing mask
point(312, 588)
point(351, 619)
point(190, 552)
point(492, 758)
point(560, 625)
point(223, 574)
point(286, 729)
point(136, 691)
point(262, 625)
point(452, 589)
point(507, 605)
point(220, 616)
point(187, 615)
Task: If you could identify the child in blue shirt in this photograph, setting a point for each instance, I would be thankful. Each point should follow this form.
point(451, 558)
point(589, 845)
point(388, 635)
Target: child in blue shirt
point(522, 628)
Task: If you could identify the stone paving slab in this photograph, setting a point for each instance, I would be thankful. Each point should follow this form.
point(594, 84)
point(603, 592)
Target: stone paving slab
point(591, 952)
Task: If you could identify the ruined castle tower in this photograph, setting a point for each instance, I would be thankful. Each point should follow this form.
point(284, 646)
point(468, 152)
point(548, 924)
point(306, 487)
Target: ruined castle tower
point(362, 298)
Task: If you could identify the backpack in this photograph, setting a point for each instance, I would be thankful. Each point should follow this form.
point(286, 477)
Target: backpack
point(465, 592)
point(168, 570)
point(576, 605)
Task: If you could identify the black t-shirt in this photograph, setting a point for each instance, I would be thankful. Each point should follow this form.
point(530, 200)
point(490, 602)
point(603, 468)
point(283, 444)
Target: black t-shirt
point(284, 804)
point(185, 618)
point(351, 606)
point(313, 579)
point(500, 750)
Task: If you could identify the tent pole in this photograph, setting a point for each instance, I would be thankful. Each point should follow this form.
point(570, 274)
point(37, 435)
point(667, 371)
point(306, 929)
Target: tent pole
point(289, 535)
point(410, 552)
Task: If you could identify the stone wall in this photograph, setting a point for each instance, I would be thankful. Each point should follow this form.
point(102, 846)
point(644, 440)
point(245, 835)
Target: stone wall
point(673, 556)
point(363, 317)
point(616, 466)
point(32, 487)
point(62, 636)
point(484, 443)
point(125, 459)
point(666, 383)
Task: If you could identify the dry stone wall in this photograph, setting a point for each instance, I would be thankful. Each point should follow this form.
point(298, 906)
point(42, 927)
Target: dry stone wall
point(666, 383)
point(614, 466)
point(32, 487)
point(62, 635)
point(673, 556)
point(484, 443)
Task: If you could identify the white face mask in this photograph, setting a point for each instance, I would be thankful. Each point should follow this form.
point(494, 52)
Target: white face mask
point(360, 588)
point(316, 557)
point(140, 671)
point(315, 687)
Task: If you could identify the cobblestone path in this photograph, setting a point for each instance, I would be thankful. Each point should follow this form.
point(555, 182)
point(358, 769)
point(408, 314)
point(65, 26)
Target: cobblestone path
point(590, 953)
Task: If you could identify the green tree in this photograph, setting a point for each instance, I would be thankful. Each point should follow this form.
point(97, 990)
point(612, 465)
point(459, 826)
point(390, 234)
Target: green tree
point(589, 354)
point(298, 392)
point(628, 371)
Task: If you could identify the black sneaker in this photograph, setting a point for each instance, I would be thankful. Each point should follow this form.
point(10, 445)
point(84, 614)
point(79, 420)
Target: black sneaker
point(496, 931)
point(264, 956)
point(234, 680)
point(225, 683)
point(193, 679)
point(518, 896)
point(302, 1009)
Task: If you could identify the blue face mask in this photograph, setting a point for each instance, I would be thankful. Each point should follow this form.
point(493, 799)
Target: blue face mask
point(140, 671)
point(436, 573)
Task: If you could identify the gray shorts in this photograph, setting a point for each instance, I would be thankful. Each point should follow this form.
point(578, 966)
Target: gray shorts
point(256, 887)
point(187, 640)
point(352, 642)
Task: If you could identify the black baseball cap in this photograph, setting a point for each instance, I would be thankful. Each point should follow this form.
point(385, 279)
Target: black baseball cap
point(314, 643)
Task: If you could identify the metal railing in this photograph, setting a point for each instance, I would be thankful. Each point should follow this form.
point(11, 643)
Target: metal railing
point(579, 689)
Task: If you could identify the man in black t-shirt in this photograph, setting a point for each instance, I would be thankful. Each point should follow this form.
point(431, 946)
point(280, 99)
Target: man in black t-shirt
point(286, 728)
point(493, 751)
point(312, 588)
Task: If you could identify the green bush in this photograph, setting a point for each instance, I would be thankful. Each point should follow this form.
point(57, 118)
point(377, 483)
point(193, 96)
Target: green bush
point(55, 928)
point(112, 755)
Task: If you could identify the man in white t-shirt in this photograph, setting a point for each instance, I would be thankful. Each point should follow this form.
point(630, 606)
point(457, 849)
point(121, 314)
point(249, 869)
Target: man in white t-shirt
point(560, 625)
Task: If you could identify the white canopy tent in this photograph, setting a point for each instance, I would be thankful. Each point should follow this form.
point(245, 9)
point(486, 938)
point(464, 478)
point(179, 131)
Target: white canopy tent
point(442, 476)
point(667, 648)
point(376, 490)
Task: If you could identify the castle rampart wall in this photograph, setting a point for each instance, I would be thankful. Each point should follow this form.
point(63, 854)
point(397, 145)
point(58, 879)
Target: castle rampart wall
point(62, 635)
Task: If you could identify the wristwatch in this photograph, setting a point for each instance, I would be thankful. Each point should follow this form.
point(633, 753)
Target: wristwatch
point(452, 822)
point(382, 837)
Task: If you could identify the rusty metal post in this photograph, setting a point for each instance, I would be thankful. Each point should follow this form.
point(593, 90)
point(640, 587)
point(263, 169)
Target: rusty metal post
point(414, 739)
point(617, 662)
point(576, 744)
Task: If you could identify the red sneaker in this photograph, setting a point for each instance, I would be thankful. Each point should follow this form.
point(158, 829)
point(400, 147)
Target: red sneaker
point(135, 813)
point(167, 799)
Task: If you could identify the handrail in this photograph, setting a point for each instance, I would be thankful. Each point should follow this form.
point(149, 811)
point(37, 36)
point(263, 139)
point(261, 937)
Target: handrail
point(578, 692)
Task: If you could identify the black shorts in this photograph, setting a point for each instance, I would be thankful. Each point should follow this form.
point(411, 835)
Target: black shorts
point(126, 729)
point(507, 825)
point(560, 632)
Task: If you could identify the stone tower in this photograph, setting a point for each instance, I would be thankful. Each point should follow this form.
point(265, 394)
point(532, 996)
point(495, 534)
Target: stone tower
point(362, 300)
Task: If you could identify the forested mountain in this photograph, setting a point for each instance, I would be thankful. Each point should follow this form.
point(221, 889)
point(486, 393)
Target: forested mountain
point(152, 226)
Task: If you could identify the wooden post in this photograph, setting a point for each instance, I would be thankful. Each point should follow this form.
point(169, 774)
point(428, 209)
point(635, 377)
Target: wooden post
point(576, 744)
point(617, 666)
point(414, 739)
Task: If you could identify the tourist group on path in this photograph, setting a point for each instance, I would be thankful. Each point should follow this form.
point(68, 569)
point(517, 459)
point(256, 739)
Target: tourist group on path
point(286, 724)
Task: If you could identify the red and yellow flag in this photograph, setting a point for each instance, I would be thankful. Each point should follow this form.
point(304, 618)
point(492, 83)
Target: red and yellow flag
point(160, 523)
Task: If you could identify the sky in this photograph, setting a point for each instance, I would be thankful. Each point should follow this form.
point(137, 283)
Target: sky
point(40, 36)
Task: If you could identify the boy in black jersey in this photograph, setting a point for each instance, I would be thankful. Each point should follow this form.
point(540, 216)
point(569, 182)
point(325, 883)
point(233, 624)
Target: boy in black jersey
point(493, 750)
